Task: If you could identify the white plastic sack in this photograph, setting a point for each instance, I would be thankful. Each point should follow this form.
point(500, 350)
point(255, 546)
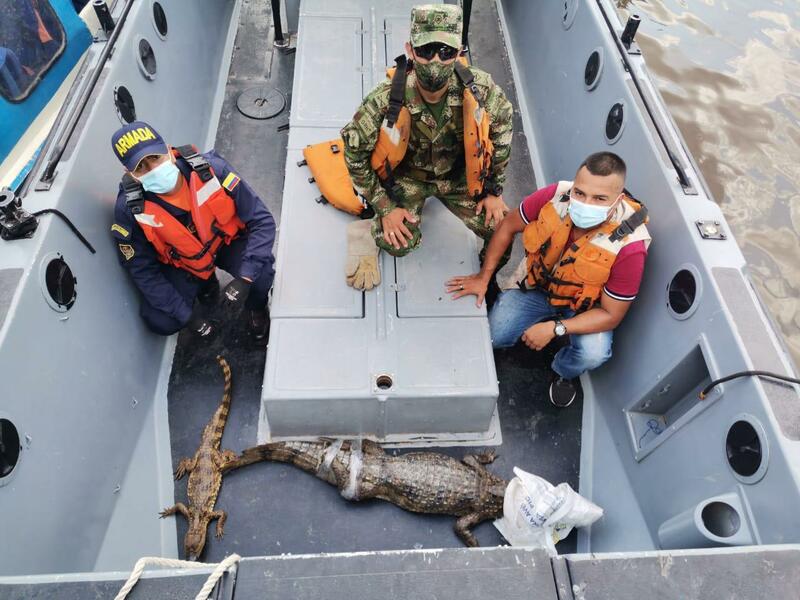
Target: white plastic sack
point(535, 513)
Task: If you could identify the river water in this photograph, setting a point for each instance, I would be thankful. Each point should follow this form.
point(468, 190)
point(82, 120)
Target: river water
point(729, 70)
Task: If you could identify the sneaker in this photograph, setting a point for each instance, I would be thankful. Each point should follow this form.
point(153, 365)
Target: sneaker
point(563, 392)
point(258, 324)
point(209, 292)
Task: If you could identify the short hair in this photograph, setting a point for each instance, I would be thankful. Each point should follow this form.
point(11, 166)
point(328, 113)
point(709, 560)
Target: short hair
point(604, 164)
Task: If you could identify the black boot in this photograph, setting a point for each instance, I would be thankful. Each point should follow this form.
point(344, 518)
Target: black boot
point(258, 324)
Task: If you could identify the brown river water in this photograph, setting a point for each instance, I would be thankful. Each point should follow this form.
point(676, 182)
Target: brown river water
point(729, 71)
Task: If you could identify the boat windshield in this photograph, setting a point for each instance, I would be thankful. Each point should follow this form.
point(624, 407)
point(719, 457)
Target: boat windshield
point(31, 40)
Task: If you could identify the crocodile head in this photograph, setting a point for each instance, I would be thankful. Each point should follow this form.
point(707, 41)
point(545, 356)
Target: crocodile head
point(195, 539)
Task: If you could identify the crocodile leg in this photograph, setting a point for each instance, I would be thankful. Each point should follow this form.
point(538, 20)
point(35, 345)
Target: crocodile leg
point(221, 516)
point(185, 466)
point(179, 507)
point(463, 526)
point(476, 461)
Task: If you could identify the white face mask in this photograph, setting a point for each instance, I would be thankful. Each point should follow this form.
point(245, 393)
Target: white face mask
point(162, 179)
point(587, 216)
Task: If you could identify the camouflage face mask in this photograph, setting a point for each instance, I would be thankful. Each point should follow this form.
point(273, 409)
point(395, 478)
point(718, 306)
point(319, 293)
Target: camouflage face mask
point(433, 75)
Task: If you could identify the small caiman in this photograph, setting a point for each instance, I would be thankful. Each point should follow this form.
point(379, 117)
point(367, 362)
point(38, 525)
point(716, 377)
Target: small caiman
point(205, 471)
point(424, 482)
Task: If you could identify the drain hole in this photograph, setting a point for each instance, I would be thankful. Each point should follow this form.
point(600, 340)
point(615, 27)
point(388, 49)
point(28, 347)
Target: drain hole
point(743, 448)
point(594, 66)
point(160, 19)
point(123, 101)
point(9, 447)
point(60, 283)
point(384, 382)
point(721, 519)
point(682, 291)
point(614, 122)
point(147, 59)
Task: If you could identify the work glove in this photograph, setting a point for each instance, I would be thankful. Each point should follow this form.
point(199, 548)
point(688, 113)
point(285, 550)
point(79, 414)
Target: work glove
point(202, 328)
point(361, 269)
point(236, 292)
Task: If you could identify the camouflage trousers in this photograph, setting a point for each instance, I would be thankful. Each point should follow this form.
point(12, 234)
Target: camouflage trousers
point(453, 194)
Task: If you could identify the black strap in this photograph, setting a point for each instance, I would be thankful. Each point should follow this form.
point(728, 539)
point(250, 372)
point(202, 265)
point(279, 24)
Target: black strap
point(397, 91)
point(467, 13)
point(196, 161)
point(629, 225)
point(468, 81)
point(134, 194)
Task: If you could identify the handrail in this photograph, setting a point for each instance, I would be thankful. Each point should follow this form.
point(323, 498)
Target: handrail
point(683, 178)
point(46, 181)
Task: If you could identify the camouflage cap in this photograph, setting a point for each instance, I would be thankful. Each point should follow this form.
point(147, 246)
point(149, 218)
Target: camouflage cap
point(436, 23)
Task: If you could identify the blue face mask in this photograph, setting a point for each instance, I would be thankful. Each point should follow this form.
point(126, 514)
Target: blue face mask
point(585, 215)
point(162, 179)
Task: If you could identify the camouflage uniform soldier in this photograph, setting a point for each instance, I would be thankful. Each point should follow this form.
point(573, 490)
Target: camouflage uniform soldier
point(434, 164)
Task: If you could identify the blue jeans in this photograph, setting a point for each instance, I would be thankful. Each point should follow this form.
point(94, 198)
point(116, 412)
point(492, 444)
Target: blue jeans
point(516, 310)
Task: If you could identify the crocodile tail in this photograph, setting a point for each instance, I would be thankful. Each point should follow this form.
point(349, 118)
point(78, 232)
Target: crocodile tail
point(305, 455)
point(221, 415)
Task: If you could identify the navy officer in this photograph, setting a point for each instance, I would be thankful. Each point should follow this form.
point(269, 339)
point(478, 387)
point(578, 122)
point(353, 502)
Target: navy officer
point(180, 214)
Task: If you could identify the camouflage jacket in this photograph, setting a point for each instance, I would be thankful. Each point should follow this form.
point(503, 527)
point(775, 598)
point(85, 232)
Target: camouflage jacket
point(435, 151)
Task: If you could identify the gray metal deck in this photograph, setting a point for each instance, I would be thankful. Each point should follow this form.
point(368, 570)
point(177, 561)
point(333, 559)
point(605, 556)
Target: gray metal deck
point(274, 508)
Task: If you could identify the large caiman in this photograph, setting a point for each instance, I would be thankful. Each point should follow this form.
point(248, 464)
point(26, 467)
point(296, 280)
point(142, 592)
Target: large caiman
point(423, 482)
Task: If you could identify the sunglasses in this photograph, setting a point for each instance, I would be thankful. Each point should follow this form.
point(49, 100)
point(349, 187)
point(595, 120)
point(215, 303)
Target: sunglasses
point(428, 51)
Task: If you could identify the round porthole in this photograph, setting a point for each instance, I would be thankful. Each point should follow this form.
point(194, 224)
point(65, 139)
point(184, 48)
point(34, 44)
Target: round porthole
point(683, 292)
point(59, 286)
point(593, 69)
point(146, 58)
point(746, 449)
point(9, 448)
point(123, 101)
point(160, 20)
point(569, 12)
point(615, 122)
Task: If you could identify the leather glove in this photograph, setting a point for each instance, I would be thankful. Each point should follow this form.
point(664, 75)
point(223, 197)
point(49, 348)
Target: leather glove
point(236, 292)
point(202, 328)
point(361, 269)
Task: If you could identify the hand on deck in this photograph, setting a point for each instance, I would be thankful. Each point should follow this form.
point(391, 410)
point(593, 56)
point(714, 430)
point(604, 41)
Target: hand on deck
point(495, 209)
point(394, 228)
point(538, 336)
point(466, 285)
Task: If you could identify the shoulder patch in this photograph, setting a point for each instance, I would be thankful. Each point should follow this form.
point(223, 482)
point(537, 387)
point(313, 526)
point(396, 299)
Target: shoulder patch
point(120, 230)
point(231, 181)
point(126, 250)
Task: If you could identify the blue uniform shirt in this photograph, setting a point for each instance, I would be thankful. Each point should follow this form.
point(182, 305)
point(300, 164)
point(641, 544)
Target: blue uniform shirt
point(139, 256)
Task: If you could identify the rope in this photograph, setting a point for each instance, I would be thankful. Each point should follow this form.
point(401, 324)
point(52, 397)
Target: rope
point(157, 561)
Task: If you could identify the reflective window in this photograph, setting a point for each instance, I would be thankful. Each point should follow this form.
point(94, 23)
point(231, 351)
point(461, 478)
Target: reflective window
point(31, 39)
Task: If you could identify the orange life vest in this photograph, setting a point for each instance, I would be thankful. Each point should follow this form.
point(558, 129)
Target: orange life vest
point(330, 171)
point(574, 276)
point(395, 131)
point(213, 215)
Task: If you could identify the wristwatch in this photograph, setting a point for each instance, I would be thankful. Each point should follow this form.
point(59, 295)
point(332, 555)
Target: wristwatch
point(560, 329)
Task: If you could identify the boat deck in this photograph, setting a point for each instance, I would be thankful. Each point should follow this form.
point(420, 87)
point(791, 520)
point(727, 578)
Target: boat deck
point(275, 508)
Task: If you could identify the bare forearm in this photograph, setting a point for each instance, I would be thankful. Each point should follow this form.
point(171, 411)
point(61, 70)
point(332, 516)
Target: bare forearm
point(499, 243)
point(595, 320)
